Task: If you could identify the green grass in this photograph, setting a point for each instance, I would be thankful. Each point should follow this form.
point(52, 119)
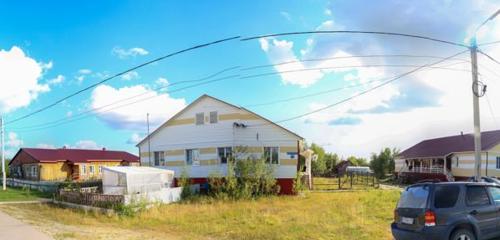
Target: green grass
point(317, 215)
point(17, 194)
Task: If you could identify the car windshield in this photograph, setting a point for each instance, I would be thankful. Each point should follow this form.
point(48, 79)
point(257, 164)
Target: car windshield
point(414, 197)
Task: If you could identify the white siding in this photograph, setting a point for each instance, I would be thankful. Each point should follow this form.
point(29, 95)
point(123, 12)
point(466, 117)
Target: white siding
point(258, 134)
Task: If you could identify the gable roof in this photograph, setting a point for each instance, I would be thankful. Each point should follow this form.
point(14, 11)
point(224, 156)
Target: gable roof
point(76, 155)
point(219, 100)
point(440, 147)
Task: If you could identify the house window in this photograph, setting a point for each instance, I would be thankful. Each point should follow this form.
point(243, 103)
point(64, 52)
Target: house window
point(224, 154)
point(213, 117)
point(271, 154)
point(498, 162)
point(200, 118)
point(91, 169)
point(35, 171)
point(100, 169)
point(192, 157)
point(84, 169)
point(159, 158)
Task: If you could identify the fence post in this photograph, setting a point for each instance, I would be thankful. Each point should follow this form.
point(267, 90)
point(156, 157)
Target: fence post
point(351, 180)
point(339, 182)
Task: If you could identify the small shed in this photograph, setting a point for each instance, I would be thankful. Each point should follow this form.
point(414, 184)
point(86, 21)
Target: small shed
point(135, 180)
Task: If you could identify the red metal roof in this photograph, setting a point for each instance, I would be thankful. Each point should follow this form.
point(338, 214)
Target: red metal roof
point(78, 155)
point(440, 147)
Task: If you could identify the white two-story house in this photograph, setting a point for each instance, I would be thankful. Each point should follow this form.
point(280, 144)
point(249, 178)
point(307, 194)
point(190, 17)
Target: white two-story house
point(203, 136)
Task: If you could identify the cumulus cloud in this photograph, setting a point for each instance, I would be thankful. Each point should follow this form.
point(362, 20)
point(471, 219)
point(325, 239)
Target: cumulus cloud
point(87, 144)
point(160, 106)
point(46, 146)
point(82, 75)
point(131, 52)
point(134, 139)
point(130, 75)
point(57, 80)
point(13, 140)
point(429, 103)
point(20, 76)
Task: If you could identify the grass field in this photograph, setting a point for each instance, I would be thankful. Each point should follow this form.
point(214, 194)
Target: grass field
point(17, 194)
point(317, 215)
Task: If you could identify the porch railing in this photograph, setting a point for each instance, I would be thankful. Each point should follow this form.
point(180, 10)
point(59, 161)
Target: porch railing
point(425, 170)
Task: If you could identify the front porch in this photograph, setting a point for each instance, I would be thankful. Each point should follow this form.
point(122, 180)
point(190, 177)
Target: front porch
point(417, 169)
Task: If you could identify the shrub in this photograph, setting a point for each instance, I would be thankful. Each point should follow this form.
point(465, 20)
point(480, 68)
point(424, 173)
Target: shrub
point(185, 183)
point(298, 185)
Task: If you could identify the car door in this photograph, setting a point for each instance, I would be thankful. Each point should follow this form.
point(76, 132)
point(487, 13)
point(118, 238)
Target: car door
point(481, 210)
point(495, 195)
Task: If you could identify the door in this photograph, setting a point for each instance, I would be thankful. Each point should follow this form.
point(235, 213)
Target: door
point(495, 195)
point(482, 210)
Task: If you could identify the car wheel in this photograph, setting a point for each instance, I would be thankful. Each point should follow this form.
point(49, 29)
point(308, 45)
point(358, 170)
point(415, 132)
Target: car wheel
point(463, 234)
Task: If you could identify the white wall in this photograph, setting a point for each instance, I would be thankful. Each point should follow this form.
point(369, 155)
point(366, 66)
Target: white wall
point(259, 133)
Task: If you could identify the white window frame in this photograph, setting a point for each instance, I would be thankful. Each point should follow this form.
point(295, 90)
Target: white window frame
point(215, 119)
point(161, 158)
point(226, 155)
point(277, 148)
point(84, 169)
point(91, 169)
point(100, 169)
point(35, 171)
point(197, 117)
point(195, 157)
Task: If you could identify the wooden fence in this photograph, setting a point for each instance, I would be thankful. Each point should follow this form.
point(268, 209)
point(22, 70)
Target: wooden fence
point(91, 199)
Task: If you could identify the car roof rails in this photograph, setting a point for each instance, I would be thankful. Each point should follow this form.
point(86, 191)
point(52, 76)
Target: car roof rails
point(429, 181)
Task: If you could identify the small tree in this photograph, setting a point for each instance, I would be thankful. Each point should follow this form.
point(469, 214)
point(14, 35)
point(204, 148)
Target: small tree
point(383, 163)
point(185, 183)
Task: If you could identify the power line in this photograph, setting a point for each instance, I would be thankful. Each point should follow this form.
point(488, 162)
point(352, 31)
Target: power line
point(119, 74)
point(348, 57)
point(352, 66)
point(91, 112)
point(355, 32)
point(490, 57)
point(363, 92)
point(488, 43)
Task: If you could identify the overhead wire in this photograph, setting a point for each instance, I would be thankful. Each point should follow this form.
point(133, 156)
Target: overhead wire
point(363, 92)
point(117, 75)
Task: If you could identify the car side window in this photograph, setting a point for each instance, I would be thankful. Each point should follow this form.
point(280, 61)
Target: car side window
point(495, 194)
point(477, 196)
point(446, 196)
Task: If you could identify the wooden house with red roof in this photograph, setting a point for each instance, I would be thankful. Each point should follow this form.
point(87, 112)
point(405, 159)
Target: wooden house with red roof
point(66, 164)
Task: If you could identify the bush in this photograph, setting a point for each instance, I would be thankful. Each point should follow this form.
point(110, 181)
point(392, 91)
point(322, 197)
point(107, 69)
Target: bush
point(244, 180)
point(298, 185)
point(185, 183)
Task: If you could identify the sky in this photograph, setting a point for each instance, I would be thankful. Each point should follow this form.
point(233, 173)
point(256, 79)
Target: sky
point(51, 49)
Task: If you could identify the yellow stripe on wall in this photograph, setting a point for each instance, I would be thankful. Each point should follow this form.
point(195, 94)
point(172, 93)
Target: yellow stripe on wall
point(174, 163)
point(292, 162)
point(209, 162)
point(181, 121)
point(286, 149)
point(208, 150)
point(144, 154)
point(254, 149)
point(237, 116)
point(175, 152)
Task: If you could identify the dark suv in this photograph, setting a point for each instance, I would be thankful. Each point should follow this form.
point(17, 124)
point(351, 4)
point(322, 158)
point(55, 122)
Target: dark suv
point(448, 210)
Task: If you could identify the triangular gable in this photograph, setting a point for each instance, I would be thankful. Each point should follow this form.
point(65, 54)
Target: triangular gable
point(173, 118)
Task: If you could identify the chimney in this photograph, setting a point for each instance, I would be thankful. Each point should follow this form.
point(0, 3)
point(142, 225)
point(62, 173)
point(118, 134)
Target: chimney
point(462, 133)
point(104, 149)
point(64, 147)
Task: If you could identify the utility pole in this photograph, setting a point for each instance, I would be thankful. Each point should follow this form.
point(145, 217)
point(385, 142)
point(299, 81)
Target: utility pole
point(149, 143)
point(477, 91)
point(4, 177)
point(475, 103)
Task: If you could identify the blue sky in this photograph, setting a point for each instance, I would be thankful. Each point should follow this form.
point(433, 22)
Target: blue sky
point(54, 48)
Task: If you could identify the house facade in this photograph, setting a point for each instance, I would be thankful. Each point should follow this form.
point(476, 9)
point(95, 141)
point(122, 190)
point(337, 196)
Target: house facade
point(39, 164)
point(203, 136)
point(450, 158)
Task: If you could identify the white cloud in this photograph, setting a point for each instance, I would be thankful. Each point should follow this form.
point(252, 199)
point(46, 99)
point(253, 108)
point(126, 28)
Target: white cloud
point(82, 74)
point(57, 80)
point(13, 140)
point(130, 75)
point(84, 71)
point(286, 15)
point(20, 75)
point(134, 138)
point(87, 144)
point(160, 106)
point(328, 12)
point(131, 52)
point(161, 82)
point(46, 146)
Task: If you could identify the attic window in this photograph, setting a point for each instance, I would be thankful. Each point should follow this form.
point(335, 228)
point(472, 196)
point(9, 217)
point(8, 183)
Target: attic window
point(200, 118)
point(213, 117)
